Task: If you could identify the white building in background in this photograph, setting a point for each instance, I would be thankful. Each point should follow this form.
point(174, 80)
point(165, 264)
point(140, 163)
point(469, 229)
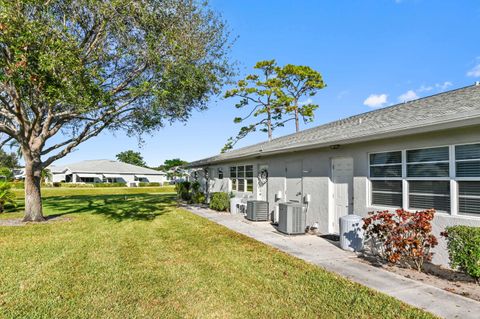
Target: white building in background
point(105, 171)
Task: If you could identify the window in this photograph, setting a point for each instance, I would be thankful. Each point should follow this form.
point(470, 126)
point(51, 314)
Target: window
point(424, 178)
point(383, 166)
point(220, 173)
point(469, 197)
point(467, 160)
point(386, 164)
point(387, 193)
point(429, 162)
point(242, 178)
point(429, 194)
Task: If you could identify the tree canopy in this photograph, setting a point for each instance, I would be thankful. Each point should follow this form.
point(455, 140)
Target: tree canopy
point(131, 157)
point(79, 67)
point(274, 98)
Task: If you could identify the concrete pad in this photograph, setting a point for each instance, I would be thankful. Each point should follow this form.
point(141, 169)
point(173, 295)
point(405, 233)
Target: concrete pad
point(324, 253)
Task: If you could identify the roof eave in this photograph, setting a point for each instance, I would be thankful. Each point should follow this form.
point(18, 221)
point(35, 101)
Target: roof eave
point(394, 132)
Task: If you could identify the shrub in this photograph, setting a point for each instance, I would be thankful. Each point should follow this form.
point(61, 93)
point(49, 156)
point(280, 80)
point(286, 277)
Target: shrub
point(109, 185)
point(463, 244)
point(143, 184)
point(183, 190)
point(220, 201)
point(6, 173)
point(76, 185)
point(198, 198)
point(56, 184)
point(401, 237)
point(7, 197)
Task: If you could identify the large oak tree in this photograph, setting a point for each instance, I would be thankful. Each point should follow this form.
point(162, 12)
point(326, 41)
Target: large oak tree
point(71, 69)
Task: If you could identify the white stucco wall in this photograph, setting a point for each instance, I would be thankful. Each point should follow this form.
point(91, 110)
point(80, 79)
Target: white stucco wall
point(316, 179)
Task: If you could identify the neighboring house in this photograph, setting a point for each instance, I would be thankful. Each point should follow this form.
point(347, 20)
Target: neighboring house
point(416, 155)
point(105, 171)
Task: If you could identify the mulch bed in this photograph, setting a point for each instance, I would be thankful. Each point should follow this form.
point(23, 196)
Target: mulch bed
point(434, 275)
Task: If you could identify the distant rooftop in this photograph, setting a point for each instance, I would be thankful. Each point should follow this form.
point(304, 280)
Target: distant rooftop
point(104, 166)
point(455, 106)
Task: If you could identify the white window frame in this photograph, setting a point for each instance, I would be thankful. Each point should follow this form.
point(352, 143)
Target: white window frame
point(244, 178)
point(370, 191)
point(452, 178)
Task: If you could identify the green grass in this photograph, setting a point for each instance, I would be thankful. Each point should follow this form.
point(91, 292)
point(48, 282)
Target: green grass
point(138, 256)
point(68, 191)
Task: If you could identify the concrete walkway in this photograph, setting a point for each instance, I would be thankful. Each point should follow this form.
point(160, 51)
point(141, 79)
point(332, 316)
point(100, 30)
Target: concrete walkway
point(323, 253)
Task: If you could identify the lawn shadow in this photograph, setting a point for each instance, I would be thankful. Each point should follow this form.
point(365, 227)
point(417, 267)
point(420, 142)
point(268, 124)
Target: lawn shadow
point(116, 207)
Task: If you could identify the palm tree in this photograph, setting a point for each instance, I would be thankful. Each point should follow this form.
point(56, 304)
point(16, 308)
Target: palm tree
point(6, 195)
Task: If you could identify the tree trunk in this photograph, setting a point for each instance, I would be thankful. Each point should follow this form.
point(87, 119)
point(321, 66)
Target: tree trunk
point(33, 198)
point(269, 124)
point(297, 124)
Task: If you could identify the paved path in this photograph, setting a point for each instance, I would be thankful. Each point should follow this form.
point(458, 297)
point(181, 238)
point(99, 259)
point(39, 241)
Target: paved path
point(323, 253)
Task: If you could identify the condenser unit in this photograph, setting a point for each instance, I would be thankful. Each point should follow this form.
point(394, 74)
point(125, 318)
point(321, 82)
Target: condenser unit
point(292, 218)
point(257, 210)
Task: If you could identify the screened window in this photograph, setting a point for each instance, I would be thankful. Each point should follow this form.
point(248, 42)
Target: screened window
point(388, 164)
point(429, 194)
point(220, 173)
point(467, 160)
point(429, 162)
point(387, 193)
point(469, 197)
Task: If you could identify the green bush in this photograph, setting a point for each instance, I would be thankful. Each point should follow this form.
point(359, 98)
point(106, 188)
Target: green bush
point(198, 198)
point(7, 197)
point(463, 244)
point(143, 184)
point(220, 201)
point(183, 190)
point(56, 184)
point(75, 185)
point(109, 185)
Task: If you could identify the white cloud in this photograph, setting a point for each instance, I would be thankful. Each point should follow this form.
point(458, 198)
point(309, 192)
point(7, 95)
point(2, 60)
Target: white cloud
point(408, 96)
point(342, 94)
point(445, 85)
point(307, 101)
point(376, 100)
point(425, 88)
point(475, 72)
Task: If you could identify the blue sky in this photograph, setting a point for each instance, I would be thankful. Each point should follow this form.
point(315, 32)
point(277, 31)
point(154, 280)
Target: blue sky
point(371, 53)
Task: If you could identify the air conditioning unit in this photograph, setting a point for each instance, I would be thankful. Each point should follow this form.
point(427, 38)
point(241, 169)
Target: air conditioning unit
point(257, 210)
point(292, 218)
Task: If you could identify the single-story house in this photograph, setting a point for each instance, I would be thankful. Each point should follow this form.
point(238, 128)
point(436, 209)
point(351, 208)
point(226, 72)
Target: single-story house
point(416, 155)
point(105, 171)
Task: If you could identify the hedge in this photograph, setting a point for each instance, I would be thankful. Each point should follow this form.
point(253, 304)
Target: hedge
point(463, 243)
point(220, 201)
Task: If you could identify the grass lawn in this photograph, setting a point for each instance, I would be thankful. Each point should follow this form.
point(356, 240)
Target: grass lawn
point(138, 256)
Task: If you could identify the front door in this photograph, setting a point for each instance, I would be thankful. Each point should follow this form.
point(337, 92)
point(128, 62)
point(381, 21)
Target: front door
point(262, 182)
point(294, 182)
point(342, 178)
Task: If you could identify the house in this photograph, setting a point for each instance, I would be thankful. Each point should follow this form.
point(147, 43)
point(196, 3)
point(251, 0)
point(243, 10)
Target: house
point(416, 155)
point(105, 171)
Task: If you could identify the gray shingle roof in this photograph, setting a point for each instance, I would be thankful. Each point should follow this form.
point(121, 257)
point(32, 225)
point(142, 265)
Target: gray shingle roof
point(104, 166)
point(448, 107)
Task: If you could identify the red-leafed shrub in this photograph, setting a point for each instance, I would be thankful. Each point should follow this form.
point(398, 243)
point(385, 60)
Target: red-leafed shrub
point(401, 237)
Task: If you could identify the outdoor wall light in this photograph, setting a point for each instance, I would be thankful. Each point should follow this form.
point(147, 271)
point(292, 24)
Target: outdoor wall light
point(334, 147)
